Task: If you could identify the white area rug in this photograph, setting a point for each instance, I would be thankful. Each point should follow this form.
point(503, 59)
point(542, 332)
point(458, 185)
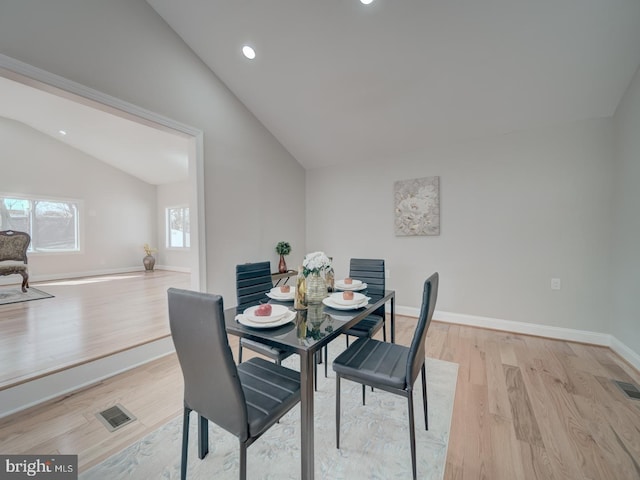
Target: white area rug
point(374, 438)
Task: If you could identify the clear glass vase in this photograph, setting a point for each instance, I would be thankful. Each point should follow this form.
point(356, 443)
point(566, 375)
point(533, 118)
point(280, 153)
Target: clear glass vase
point(316, 288)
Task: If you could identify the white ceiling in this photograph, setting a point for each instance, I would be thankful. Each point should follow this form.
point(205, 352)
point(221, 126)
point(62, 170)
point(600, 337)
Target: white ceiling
point(337, 81)
point(150, 154)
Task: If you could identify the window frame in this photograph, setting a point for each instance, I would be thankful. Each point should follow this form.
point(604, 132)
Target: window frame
point(167, 219)
point(79, 205)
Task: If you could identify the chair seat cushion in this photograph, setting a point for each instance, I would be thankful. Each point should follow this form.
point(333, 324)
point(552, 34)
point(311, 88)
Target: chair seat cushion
point(266, 350)
point(366, 327)
point(270, 391)
point(374, 362)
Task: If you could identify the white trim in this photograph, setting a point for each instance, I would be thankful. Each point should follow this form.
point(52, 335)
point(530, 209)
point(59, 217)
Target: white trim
point(52, 386)
point(625, 352)
point(548, 331)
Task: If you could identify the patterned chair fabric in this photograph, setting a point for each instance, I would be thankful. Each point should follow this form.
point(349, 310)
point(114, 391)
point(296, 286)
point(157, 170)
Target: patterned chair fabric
point(13, 248)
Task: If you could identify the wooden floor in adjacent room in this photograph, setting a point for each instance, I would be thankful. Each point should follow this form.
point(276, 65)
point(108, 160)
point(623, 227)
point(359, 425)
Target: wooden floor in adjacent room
point(525, 408)
point(88, 318)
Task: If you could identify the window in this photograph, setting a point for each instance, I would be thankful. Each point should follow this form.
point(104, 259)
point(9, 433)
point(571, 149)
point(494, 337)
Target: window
point(52, 224)
point(178, 227)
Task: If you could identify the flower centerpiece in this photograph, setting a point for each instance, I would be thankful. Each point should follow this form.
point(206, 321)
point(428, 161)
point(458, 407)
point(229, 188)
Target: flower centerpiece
point(282, 249)
point(313, 266)
point(149, 260)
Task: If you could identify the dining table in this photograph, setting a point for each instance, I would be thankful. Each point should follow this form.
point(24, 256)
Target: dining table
point(309, 331)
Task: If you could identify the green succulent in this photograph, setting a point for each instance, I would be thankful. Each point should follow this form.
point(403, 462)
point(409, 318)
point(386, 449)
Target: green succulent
point(283, 248)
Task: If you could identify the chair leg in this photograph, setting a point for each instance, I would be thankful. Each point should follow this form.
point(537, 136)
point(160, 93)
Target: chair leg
point(384, 329)
point(203, 437)
point(239, 351)
point(185, 443)
point(424, 397)
point(412, 436)
point(364, 388)
point(326, 359)
point(243, 461)
point(337, 411)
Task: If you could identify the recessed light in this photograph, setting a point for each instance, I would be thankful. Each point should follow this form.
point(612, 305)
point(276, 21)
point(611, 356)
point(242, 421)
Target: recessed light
point(248, 52)
point(62, 132)
point(366, 2)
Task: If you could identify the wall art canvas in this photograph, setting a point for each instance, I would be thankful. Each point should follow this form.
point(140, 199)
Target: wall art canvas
point(417, 206)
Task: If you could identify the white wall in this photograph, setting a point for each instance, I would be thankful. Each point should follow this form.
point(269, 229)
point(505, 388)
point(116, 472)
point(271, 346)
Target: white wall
point(254, 189)
point(626, 234)
point(118, 211)
point(516, 210)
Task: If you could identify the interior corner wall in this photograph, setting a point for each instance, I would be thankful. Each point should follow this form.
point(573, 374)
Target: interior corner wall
point(626, 232)
point(34, 164)
point(254, 189)
point(516, 211)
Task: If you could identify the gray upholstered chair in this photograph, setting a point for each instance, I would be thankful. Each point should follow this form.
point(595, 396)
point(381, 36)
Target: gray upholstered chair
point(245, 400)
point(253, 281)
point(391, 367)
point(13, 248)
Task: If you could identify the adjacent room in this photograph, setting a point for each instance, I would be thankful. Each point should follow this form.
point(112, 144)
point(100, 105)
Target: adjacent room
point(482, 158)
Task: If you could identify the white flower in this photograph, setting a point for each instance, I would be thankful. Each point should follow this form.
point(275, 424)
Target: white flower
point(315, 263)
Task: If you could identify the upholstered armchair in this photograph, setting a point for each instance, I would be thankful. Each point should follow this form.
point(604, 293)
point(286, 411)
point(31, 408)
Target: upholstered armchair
point(13, 248)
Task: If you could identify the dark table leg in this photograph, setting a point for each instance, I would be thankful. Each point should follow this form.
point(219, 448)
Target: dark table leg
point(307, 364)
point(393, 319)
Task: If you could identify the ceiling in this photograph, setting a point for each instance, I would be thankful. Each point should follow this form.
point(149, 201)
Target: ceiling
point(336, 81)
point(152, 155)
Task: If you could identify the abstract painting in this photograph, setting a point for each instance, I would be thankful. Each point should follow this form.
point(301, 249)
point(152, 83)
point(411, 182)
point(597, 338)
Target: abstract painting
point(417, 206)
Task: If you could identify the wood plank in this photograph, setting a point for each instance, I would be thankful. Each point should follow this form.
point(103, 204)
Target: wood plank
point(586, 427)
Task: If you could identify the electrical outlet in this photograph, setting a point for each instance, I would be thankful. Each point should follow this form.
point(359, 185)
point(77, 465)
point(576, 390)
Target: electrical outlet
point(387, 273)
point(555, 284)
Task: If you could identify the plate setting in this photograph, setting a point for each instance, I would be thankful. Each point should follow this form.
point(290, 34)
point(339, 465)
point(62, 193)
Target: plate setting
point(339, 303)
point(280, 315)
point(356, 286)
point(276, 294)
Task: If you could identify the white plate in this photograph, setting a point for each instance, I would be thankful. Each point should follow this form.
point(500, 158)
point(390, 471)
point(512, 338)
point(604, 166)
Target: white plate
point(342, 286)
point(355, 283)
point(339, 299)
point(277, 312)
point(247, 322)
point(329, 303)
point(276, 294)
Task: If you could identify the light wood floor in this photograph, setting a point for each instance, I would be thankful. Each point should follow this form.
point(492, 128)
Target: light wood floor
point(88, 318)
point(525, 408)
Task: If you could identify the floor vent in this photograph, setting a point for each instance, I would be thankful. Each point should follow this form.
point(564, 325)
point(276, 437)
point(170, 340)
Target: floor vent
point(115, 417)
point(630, 390)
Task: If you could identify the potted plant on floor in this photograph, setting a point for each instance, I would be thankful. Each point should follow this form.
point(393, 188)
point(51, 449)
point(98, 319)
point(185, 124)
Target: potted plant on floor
point(282, 249)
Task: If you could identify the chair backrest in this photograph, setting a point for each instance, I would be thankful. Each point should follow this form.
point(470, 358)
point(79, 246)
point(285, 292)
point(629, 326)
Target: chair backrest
point(211, 382)
point(253, 280)
point(370, 271)
point(14, 245)
point(417, 347)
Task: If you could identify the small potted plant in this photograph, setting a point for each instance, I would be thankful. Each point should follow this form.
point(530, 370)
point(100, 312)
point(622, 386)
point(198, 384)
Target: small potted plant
point(282, 249)
point(149, 260)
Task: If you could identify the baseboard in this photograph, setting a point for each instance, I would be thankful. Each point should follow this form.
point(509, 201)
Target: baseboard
point(29, 394)
point(91, 273)
point(625, 352)
point(548, 331)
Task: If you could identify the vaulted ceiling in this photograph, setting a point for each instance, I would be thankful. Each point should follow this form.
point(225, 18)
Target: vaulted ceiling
point(338, 81)
point(154, 156)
